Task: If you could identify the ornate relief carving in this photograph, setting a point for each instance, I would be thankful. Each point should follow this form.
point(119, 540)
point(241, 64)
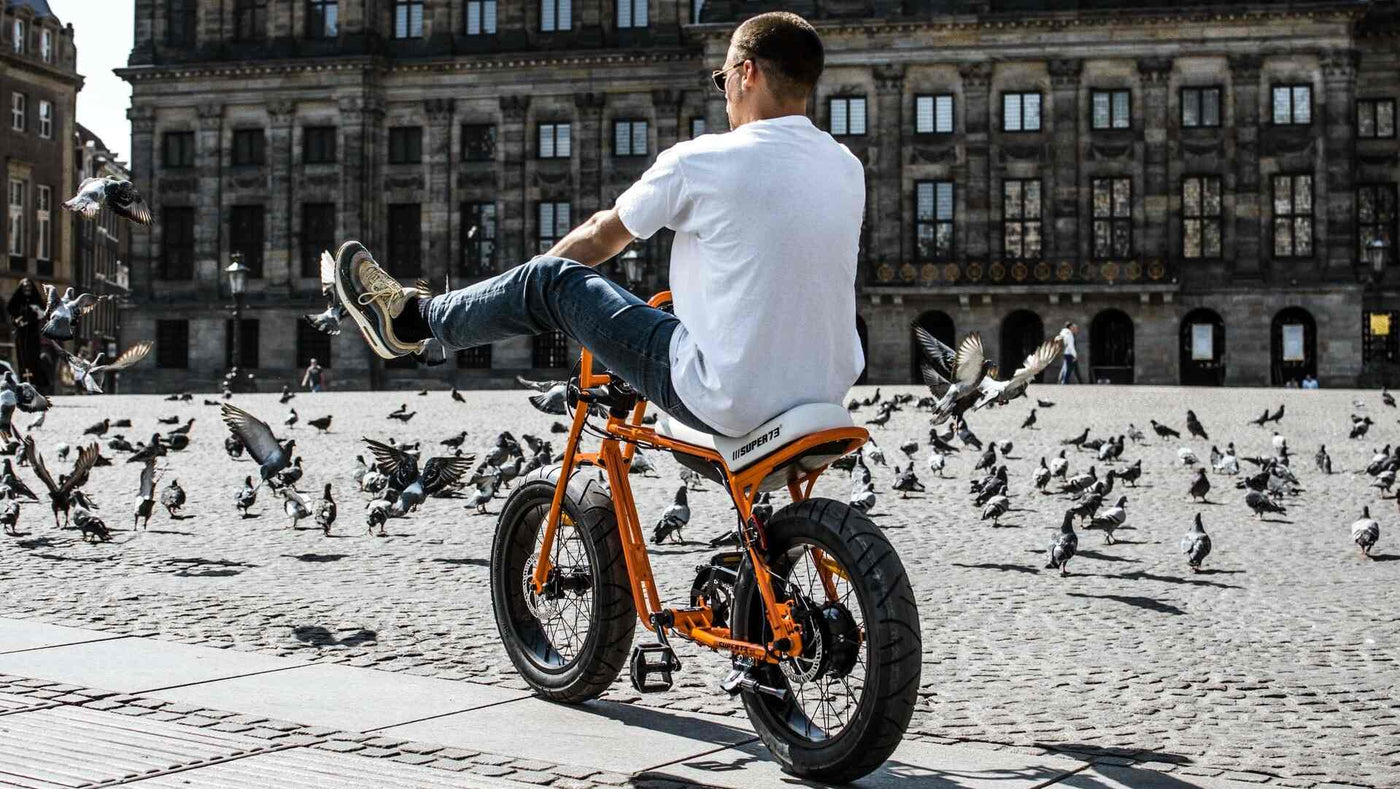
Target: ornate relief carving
point(281, 113)
point(1282, 140)
point(889, 78)
point(1111, 149)
point(1339, 63)
point(1064, 72)
point(414, 181)
point(946, 153)
point(471, 179)
point(976, 75)
point(440, 110)
point(1154, 69)
point(1245, 66)
point(514, 107)
point(1024, 151)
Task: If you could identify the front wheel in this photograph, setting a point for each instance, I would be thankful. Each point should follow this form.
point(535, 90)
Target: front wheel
point(852, 691)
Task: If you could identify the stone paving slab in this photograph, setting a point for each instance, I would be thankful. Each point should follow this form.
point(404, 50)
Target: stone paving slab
point(11, 703)
point(71, 747)
point(914, 764)
point(17, 635)
point(307, 769)
point(355, 699)
point(621, 738)
point(133, 665)
point(1103, 776)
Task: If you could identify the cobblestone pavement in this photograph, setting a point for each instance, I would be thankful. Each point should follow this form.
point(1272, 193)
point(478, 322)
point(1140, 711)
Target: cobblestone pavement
point(1278, 663)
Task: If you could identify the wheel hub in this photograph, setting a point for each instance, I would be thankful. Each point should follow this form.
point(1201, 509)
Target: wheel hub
point(830, 642)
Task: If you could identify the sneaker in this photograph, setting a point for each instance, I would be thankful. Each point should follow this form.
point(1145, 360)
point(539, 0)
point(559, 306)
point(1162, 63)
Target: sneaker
point(373, 298)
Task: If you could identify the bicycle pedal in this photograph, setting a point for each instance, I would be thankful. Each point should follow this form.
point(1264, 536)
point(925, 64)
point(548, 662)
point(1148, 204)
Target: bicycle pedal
point(741, 678)
point(653, 660)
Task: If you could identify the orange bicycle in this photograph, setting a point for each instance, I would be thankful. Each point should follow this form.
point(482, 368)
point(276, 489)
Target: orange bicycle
point(814, 607)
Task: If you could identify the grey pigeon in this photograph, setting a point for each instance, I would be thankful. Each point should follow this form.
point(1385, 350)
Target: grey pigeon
point(863, 497)
point(1059, 466)
point(905, 481)
point(117, 194)
point(61, 495)
point(328, 321)
point(294, 505)
point(88, 374)
point(91, 526)
point(1196, 545)
point(1194, 427)
point(411, 485)
point(954, 377)
point(261, 444)
point(1041, 477)
point(10, 517)
point(673, 519)
point(325, 511)
point(1199, 486)
point(173, 497)
point(246, 497)
point(1064, 546)
point(1132, 473)
point(1323, 460)
point(1262, 505)
point(988, 459)
point(146, 504)
point(1365, 532)
point(1110, 519)
point(995, 508)
point(936, 462)
point(1029, 424)
point(63, 312)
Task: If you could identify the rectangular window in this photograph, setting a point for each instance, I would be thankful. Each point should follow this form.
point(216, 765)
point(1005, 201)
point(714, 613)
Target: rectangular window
point(1113, 217)
point(312, 344)
point(1292, 105)
point(249, 20)
point(1021, 219)
point(177, 243)
point(478, 239)
point(181, 23)
point(1112, 109)
point(553, 224)
point(1020, 112)
point(697, 127)
point(550, 351)
point(1375, 118)
point(554, 140)
point(631, 13)
point(629, 138)
point(1200, 107)
point(1201, 217)
point(934, 219)
point(249, 147)
point(1375, 219)
point(481, 17)
point(1293, 216)
point(42, 234)
point(1380, 336)
point(318, 144)
point(847, 116)
point(322, 18)
point(406, 239)
point(408, 18)
point(15, 231)
point(45, 119)
point(246, 224)
point(478, 142)
point(317, 236)
point(173, 344)
point(46, 45)
point(19, 32)
point(933, 114)
point(18, 111)
point(556, 15)
point(478, 358)
point(177, 150)
point(406, 145)
point(247, 344)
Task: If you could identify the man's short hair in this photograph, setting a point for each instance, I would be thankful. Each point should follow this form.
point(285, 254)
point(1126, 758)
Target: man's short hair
point(787, 48)
point(1068, 324)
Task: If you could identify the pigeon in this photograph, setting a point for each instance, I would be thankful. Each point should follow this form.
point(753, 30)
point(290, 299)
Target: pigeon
point(1044, 403)
point(906, 483)
point(63, 312)
point(1277, 416)
point(1110, 519)
point(691, 478)
point(10, 517)
point(1162, 430)
point(377, 513)
point(98, 429)
point(60, 495)
point(1194, 427)
point(1387, 398)
point(1029, 423)
point(89, 374)
point(403, 417)
point(321, 423)
point(1323, 460)
point(1077, 441)
point(14, 484)
point(38, 421)
point(406, 480)
point(91, 526)
point(246, 497)
point(294, 505)
point(457, 396)
point(117, 194)
point(328, 320)
point(1004, 446)
point(1135, 434)
point(953, 377)
point(1088, 506)
point(673, 519)
point(155, 448)
point(1360, 427)
point(996, 507)
point(146, 504)
point(1196, 545)
point(909, 448)
point(641, 464)
point(168, 420)
point(62, 450)
point(1080, 482)
point(325, 511)
point(1059, 466)
point(996, 392)
point(558, 427)
point(261, 444)
point(1226, 463)
point(875, 454)
point(863, 497)
point(762, 509)
point(936, 462)
point(287, 394)
point(1199, 486)
point(291, 475)
point(1264, 417)
point(175, 442)
point(485, 491)
point(233, 447)
point(1187, 456)
point(988, 459)
point(1064, 546)
point(966, 435)
point(292, 418)
point(881, 419)
point(173, 497)
point(1041, 477)
point(454, 441)
point(1262, 505)
point(1365, 532)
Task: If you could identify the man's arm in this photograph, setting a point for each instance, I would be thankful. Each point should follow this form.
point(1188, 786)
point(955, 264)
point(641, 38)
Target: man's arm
point(595, 241)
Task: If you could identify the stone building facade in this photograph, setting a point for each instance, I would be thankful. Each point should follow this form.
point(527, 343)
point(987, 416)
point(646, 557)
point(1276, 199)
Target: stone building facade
point(39, 84)
point(1195, 184)
point(101, 248)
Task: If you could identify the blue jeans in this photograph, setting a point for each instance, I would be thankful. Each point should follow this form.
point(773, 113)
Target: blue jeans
point(1071, 367)
point(628, 337)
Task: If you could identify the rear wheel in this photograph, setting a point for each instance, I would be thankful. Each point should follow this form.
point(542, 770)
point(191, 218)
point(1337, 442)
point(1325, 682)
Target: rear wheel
point(570, 641)
point(852, 691)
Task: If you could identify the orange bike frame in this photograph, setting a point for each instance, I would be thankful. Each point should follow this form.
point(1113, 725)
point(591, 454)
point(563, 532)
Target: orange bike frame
point(695, 624)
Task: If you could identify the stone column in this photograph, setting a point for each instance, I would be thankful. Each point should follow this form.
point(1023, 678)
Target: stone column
point(666, 19)
point(209, 219)
point(437, 214)
point(511, 243)
point(281, 266)
point(591, 142)
point(667, 105)
point(884, 206)
point(1244, 85)
point(1339, 163)
point(143, 170)
point(1155, 74)
point(975, 201)
point(351, 156)
point(1060, 200)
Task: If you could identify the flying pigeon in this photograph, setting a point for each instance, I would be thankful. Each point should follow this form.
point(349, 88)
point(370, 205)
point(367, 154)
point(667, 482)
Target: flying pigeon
point(89, 374)
point(61, 496)
point(411, 485)
point(1064, 546)
point(62, 312)
point(261, 444)
point(953, 377)
point(1196, 545)
point(996, 392)
point(118, 195)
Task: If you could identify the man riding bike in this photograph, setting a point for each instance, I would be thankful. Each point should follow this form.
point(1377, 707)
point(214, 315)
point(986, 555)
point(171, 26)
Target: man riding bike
point(767, 225)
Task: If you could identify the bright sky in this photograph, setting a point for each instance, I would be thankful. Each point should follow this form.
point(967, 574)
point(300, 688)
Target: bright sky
point(102, 32)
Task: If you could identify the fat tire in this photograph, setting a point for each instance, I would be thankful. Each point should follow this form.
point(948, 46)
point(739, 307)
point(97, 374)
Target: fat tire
point(588, 502)
point(892, 632)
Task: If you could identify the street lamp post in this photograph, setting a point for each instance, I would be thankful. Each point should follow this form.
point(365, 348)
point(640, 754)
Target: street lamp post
point(237, 285)
point(1375, 255)
point(632, 268)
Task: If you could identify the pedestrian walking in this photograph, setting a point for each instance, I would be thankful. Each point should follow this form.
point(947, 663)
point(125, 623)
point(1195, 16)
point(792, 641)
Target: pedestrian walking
point(314, 376)
point(1071, 363)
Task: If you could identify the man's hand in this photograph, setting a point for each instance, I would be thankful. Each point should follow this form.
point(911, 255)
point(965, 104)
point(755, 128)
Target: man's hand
point(597, 240)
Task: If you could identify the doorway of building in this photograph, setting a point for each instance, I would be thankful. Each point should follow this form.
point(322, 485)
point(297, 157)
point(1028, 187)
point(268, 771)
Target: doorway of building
point(1111, 348)
point(1021, 333)
point(1202, 348)
point(1294, 346)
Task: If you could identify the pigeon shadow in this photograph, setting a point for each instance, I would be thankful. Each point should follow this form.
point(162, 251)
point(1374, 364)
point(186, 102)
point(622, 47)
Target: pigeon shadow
point(184, 568)
point(1105, 557)
point(1221, 572)
point(37, 542)
point(169, 531)
point(316, 557)
point(1148, 603)
point(61, 558)
point(180, 517)
point(463, 562)
point(1011, 568)
point(1384, 557)
point(1139, 575)
point(1208, 501)
point(316, 635)
point(1275, 520)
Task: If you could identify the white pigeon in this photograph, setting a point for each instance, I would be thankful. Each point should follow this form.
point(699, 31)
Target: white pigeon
point(294, 505)
point(291, 419)
point(118, 195)
point(1280, 443)
point(936, 463)
point(1058, 466)
point(87, 374)
point(1187, 457)
point(863, 497)
point(1228, 464)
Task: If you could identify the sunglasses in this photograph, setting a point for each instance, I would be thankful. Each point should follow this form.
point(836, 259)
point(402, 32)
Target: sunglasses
point(720, 76)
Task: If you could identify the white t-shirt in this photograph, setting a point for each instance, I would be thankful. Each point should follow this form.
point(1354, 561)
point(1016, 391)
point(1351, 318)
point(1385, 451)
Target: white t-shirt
point(763, 267)
point(1068, 337)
